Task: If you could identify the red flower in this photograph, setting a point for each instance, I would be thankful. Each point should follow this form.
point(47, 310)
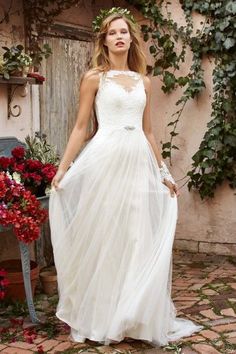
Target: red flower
point(37, 77)
point(5, 162)
point(3, 273)
point(21, 209)
point(49, 172)
point(34, 165)
point(19, 167)
point(18, 152)
point(29, 335)
point(40, 349)
point(34, 174)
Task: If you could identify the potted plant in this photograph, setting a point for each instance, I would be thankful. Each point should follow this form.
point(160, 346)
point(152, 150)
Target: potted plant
point(20, 210)
point(48, 278)
point(15, 62)
point(34, 166)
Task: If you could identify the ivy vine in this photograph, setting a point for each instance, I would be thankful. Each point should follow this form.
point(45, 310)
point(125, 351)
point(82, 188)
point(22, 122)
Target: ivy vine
point(215, 161)
point(39, 15)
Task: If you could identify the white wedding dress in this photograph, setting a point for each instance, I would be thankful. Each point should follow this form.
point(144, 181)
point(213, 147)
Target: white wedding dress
point(112, 228)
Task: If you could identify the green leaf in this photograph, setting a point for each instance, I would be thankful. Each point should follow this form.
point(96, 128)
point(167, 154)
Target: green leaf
point(20, 47)
point(229, 43)
point(208, 153)
point(171, 123)
point(230, 140)
point(157, 71)
point(152, 49)
point(169, 80)
point(182, 81)
point(231, 7)
point(173, 133)
point(165, 154)
point(227, 106)
point(6, 76)
point(166, 145)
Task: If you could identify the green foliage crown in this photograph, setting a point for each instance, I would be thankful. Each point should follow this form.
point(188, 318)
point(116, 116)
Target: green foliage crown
point(97, 22)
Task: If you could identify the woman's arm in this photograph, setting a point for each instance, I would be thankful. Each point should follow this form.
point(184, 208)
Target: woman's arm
point(88, 89)
point(147, 128)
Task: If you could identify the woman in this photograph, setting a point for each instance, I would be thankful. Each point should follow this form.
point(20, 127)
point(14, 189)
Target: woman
point(113, 213)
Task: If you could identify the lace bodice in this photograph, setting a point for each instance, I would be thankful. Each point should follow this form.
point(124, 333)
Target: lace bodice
point(120, 100)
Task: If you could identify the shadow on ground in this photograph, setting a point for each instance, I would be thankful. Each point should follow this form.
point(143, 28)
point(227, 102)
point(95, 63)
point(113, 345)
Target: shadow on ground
point(203, 290)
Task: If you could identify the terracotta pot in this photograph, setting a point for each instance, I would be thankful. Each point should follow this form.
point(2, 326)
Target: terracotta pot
point(22, 72)
point(48, 280)
point(16, 72)
point(25, 71)
point(15, 290)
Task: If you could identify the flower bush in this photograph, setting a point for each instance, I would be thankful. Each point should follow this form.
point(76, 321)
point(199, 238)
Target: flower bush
point(3, 283)
point(20, 209)
point(32, 173)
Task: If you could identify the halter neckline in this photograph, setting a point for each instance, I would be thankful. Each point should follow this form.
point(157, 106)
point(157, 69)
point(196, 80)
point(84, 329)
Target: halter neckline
point(121, 71)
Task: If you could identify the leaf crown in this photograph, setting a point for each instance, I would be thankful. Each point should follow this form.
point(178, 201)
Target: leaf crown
point(97, 22)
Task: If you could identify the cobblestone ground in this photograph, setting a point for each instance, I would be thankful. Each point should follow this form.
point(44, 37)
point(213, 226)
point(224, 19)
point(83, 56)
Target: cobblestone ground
point(204, 290)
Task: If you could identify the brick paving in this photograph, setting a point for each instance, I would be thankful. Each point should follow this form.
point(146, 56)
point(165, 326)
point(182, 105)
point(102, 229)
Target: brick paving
point(203, 290)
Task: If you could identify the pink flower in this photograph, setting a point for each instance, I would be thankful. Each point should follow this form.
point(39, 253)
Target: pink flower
point(3, 189)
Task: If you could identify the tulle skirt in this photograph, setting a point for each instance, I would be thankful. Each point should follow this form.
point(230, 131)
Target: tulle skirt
point(112, 227)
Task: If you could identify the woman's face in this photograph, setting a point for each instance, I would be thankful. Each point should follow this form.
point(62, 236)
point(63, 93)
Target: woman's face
point(118, 37)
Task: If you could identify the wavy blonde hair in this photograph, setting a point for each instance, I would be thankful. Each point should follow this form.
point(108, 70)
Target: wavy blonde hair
point(136, 57)
point(100, 59)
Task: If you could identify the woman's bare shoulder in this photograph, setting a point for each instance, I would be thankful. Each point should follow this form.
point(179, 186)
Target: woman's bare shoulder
point(91, 75)
point(147, 83)
point(90, 79)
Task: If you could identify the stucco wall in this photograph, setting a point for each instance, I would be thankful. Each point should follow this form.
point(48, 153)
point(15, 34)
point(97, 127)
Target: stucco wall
point(204, 226)
point(12, 33)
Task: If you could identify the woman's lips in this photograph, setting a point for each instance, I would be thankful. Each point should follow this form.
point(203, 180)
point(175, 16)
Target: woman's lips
point(119, 43)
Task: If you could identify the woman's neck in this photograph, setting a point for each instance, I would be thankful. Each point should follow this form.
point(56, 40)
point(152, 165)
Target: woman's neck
point(118, 63)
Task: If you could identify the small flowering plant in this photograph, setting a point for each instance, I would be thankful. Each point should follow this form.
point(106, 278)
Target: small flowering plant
point(14, 59)
point(4, 282)
point(32, 173)
point(20, 209)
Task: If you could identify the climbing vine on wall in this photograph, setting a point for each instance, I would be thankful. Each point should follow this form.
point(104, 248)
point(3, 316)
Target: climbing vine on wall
point(39, 15)
point(215, 161)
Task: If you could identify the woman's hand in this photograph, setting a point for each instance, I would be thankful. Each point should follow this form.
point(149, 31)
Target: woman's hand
point(172, 187)
point(57, 178)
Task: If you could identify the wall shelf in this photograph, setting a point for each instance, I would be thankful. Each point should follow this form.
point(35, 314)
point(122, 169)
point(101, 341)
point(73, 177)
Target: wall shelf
point(17, 80)
point(12, 85)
